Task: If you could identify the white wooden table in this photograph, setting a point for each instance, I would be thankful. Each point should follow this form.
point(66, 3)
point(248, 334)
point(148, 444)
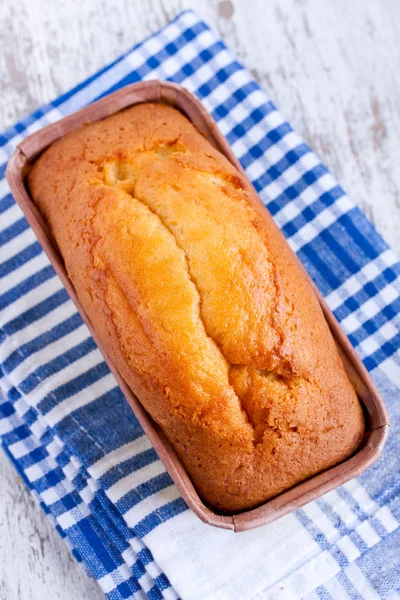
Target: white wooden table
point(333, 69)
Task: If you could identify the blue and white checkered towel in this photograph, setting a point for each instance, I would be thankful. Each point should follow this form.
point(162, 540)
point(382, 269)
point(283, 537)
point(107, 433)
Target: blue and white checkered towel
point(76, 443)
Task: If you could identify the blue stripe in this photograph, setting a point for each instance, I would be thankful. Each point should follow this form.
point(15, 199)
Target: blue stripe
point(36, 312)
point(56, 365)
point(72, 387)
point(237, 97)
point(269, 140)
point(292, 192)
point(115, 520)
point(341, 526)
point(368, 291)
point(34, 454)
point(109, 412)
point(348, 586)
point(13, 231)
point(219, 77)
point(204, 57)
point(154, 593)
point(41, 341)
point(323, 593)
point(309, 213)
point(385, 351)
point(68, 502)
point(321, 539)
point(166, 512)
point(6, 203)
point(29, 284)
point(18, 433)
point(20, 259)
point(390, 313)
point(145, 490)
point(103, 561)
point(127, 467)
point(181, 40)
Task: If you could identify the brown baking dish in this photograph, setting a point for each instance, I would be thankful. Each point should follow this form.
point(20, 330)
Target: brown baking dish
point(375, 411)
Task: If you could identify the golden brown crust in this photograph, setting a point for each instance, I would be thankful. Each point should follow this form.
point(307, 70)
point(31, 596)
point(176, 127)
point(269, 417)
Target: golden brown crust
point(199, 302)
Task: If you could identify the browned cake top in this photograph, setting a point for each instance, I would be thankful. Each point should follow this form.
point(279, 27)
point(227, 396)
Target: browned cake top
point(199, 302)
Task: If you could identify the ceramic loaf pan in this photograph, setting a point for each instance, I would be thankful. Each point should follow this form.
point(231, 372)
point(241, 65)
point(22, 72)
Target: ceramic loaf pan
point(377, 422)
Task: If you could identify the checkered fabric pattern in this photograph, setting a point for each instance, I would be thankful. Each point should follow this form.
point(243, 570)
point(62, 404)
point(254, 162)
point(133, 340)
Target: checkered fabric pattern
point(67, 429)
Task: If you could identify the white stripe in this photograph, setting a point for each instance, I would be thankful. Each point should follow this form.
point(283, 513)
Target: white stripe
point(361, 496)
point(384, 334)
point(292, 176)
point(335, 589)
point(137, 513)
point(153, 570)
point(125, 452)
point(34, 330)
point(31, 299)
point(146, 582)
point(273, 153)
point(4, 156)
point(133, 480)
point(37, 428)
point(16, 244)
point(341, 508)
point(111, 580)
point(360, 582)
point(70, 471)
point(356, 282)
point(256, 133)
point(129, 556)
point(57, 492)
point(92, 483)
point(304, 579)
point(22, 448)
point(392, 370)
point(322, 221)
point(87, 495)
point(38, 470)
point(310, 195)
point(53, 494)
point(369, 309)
point(348, 548)
point(5, 426)
point(21, 407)
point(320, 520)
point(222, 93)
point(48, 386)
point(76, 462)
point(170, 594)
point(387, 519)
point(4, 188)
point(56, 349)
point(73, 516)
point(86, 396)
point(54, 448)
point(20, 274)
point(137, 544)
point(10, 216)
point(5, 384)
point(368, 534)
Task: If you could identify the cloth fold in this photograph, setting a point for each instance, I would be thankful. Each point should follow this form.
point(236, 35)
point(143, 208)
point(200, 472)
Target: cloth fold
point(109, 496)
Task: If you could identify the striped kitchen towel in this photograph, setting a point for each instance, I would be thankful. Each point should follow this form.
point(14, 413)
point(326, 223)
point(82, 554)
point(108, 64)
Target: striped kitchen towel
point(67, 429)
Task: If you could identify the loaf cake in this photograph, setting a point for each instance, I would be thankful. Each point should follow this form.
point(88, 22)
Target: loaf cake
point(200, 303)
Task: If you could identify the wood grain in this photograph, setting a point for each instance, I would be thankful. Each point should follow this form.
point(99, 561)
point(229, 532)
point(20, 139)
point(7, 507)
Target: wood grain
point(332, 68)
point(35, 564)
